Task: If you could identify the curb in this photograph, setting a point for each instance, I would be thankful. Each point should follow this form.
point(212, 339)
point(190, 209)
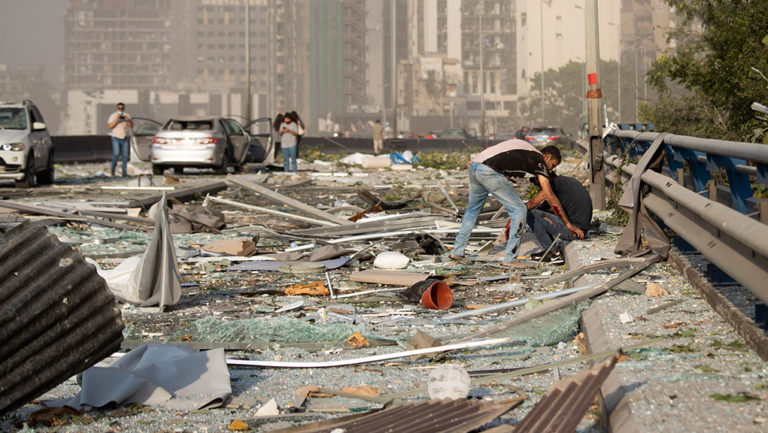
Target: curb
point(615, 406)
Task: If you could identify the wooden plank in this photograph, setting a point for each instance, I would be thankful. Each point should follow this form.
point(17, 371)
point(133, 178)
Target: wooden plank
point(280, 198)
point(381, 276)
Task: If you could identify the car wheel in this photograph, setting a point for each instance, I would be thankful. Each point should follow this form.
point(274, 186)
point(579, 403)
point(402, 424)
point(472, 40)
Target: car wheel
point(157, 169)
point(29, 179)
point(178, 170)
point(46, 177)
point(222, 169)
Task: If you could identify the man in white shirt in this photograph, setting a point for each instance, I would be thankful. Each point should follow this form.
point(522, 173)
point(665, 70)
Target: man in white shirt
point(120, 123)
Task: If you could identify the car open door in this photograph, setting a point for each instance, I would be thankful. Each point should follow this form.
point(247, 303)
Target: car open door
point(261, 148)
point(141, 139)
point(239, 140)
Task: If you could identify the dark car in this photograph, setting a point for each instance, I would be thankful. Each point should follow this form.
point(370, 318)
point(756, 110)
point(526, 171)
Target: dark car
point(545, 135)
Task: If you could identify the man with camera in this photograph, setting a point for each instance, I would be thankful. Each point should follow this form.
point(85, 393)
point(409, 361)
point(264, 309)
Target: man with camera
point(120, 123)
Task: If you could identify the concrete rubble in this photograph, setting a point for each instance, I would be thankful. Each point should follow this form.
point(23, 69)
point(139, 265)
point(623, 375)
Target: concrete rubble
point(316, 287)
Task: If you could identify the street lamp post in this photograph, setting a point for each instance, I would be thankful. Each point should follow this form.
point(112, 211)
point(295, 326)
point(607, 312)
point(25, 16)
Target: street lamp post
point(594, 94)
point(541, 28)
point(248, 61)
point(482, 74)
point(394, 69)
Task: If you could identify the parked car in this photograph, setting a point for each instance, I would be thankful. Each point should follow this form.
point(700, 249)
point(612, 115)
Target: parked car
point(207, 142)
point(546, 135)
point(26, 148)
point(457, 133)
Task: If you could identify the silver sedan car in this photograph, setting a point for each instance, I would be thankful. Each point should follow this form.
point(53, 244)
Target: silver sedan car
point(214, 142)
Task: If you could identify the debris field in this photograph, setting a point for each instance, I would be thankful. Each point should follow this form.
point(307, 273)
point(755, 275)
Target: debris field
point(337, 308)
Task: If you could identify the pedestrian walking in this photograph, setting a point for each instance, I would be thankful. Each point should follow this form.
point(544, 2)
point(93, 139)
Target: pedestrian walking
point(490, 173)
point(289, 131)
point(378, 136)
point(120, 123)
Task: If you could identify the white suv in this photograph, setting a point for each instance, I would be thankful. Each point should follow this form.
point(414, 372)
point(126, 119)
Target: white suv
point(26, 149)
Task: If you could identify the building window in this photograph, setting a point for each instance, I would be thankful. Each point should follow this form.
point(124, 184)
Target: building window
point(492, 80)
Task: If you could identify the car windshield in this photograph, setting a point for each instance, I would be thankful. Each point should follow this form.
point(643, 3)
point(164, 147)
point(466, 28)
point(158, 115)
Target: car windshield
point(13, 118)
point(189, 125)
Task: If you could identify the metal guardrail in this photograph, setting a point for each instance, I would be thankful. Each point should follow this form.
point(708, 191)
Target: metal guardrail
point(735, 242)
point(703, 156)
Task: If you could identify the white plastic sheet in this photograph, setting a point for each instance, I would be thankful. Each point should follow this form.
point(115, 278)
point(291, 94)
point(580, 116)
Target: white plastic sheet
point(165, 375)
point(151, 278)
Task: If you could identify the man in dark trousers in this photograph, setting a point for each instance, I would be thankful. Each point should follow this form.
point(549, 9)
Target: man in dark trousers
point(546, 225)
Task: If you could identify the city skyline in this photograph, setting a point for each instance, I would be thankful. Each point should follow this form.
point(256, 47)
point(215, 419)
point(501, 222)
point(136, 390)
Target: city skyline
point(197, 46)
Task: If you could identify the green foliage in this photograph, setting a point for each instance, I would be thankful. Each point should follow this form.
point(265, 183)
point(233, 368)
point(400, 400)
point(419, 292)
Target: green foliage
point(312, 152)
point(564, 95)
point(531, 192)
point(713, 66)
point(707, 369)
point(734, 398)
point(691, 114)
point(446, 161)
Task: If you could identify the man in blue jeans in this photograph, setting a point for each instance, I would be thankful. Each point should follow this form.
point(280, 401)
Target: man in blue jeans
point(489, 173)
point(289, 132)
point(120, 123)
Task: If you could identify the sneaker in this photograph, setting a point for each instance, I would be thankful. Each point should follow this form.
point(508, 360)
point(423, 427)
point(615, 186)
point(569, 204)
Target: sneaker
point(461, 259)
point(554, 257)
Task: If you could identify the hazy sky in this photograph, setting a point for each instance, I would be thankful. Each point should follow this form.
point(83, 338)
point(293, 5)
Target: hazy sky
point(32, 33)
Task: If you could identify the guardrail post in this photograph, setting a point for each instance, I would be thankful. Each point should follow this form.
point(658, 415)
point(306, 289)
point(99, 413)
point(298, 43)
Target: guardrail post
point(741, 190)
point(762, 207)
point(712, 190)
point(680, 175)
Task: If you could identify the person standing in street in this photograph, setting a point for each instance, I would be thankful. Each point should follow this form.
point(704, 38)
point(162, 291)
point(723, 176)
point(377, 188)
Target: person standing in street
point(120, 123)
point(490, 172)
point(288, 132)
point(378, 137)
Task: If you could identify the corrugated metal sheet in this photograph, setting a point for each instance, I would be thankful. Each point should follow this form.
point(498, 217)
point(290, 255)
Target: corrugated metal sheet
point(563, 407)
point(444, 416)
point(57, 316)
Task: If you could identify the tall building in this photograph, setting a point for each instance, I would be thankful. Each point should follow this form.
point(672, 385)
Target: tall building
point(336, 61)
point(167, 58)
point(119, 44)
point(488, 59)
